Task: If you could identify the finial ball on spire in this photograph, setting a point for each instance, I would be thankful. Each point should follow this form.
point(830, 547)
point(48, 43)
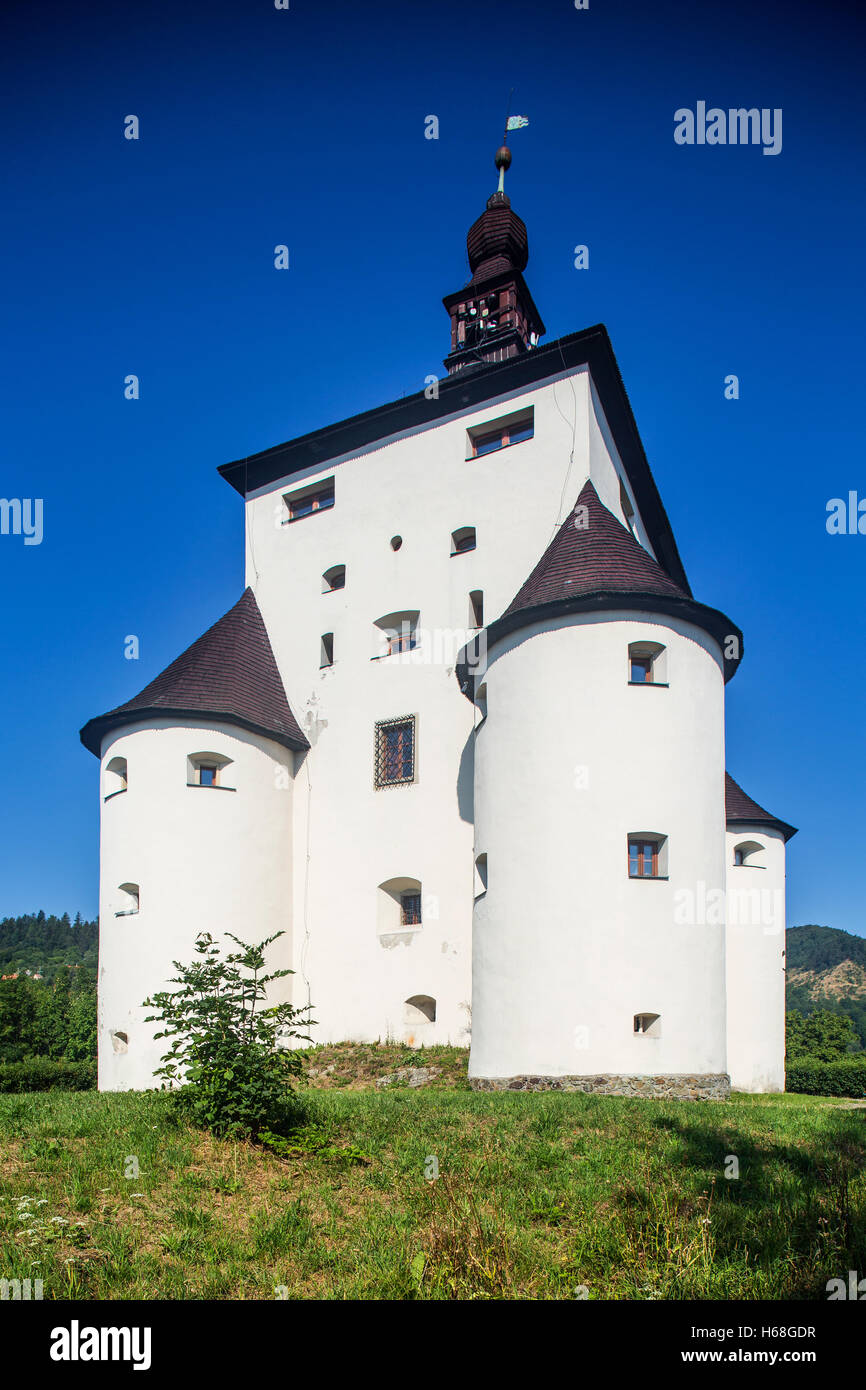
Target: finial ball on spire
point(503, 157)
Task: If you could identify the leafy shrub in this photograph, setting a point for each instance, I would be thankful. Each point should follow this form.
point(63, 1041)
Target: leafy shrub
point(813, 1077)
point(43, 1074)
point(228, 1052)
point(823, 1036)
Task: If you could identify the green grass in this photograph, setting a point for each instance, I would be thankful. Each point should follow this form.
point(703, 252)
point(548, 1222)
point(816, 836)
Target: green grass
point(538, 1196)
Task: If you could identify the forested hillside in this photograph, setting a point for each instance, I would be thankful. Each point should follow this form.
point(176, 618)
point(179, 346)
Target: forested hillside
point(46, 944)
point(53, 1016)
point(826, 970)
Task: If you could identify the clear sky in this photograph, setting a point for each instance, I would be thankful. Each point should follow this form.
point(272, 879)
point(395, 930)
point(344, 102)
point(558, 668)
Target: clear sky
point(260, 127)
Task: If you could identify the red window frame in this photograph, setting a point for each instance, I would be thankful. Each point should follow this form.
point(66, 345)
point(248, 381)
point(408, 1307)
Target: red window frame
point(647, 854)
point(501, 438)
point(311, 502)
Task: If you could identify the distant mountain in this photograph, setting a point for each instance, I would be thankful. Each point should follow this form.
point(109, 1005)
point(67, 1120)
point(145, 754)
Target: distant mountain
point(45, 944)
point(826, 969)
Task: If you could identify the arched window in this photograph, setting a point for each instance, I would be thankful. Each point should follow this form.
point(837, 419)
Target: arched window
point(462, 540)
point(396, 632)
point(418, 1010)
point(480, 875)
point(128, 899)
point(647, 663)
point(749, 854)
point(399, 905)
point(120, 1042)
point(648, 1025)
point(208, 770)
point(334, 578)
point(115, 777)
point(481, 703)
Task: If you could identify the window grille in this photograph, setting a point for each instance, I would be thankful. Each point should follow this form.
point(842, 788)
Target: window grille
point(395, 751)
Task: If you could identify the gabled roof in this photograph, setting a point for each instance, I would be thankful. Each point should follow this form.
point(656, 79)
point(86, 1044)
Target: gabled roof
point(594, 563)
point(228, 674)
point(459, 393)
point(740, 809)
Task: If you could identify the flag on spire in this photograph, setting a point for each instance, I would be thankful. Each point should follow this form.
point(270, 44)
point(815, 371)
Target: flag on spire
point(516, 122)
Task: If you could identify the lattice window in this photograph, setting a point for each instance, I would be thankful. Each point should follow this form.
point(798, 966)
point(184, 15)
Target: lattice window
point(395, 751)
point(410, 909)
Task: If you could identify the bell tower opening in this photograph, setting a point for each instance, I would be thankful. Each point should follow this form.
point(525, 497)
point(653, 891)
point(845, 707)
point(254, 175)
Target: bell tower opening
point(494, 317)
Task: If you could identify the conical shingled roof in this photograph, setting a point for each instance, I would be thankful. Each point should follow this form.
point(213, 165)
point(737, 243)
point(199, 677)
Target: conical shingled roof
point(592, 552)
point(229, 673)
point(740, 809)
point(594, 564)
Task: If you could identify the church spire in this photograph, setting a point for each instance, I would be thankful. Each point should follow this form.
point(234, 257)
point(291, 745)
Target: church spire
point(494, 316)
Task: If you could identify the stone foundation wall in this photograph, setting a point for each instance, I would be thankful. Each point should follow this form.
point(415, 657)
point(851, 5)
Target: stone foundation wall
point(674, 1087)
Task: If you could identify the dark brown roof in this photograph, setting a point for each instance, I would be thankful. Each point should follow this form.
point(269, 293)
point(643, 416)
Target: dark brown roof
point(497, 241)
point(595, 564)
point(229, 674)
point(740, 809)
point(592, 552)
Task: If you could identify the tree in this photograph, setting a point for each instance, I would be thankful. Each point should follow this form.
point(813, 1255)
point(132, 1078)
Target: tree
point(822, 1036)
point(228, 1052)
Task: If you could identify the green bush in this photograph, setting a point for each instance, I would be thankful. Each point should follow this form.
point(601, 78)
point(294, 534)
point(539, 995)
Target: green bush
point(845, 1077)
point(43, 1074)
point(228, 1050)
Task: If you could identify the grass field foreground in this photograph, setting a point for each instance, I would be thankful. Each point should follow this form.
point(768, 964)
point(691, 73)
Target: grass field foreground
point(435, 1192)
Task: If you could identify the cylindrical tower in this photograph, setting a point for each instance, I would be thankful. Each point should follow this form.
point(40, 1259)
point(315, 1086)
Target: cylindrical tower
point(599, 927)
point(196, 789)
point(755, 952)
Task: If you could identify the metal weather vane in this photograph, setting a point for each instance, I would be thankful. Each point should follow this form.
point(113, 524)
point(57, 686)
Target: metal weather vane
point(503, 154)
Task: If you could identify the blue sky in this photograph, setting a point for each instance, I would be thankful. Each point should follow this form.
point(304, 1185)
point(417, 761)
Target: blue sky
point(306, 127)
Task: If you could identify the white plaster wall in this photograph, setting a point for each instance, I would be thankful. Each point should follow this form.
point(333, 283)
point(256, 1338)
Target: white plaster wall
point(571, 758)
point(756, 962)
point(349, 836)
point(205, 859)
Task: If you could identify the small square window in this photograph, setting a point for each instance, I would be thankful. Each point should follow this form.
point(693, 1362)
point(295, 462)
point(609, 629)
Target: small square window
point(643, 858)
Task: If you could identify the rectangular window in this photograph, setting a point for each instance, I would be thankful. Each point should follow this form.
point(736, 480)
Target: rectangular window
point(410, 909)
point(641, 670)
point(207, 775)
point(309, 499)
point(395, 751)
point(643, 859)
point(499, 435)
point(326, 649)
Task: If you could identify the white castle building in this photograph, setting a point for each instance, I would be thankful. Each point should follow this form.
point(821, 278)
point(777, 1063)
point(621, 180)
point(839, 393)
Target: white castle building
point(461, 739)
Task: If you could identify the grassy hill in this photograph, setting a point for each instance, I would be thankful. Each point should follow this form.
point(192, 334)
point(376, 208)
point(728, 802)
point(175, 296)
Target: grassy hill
point(826, 969)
